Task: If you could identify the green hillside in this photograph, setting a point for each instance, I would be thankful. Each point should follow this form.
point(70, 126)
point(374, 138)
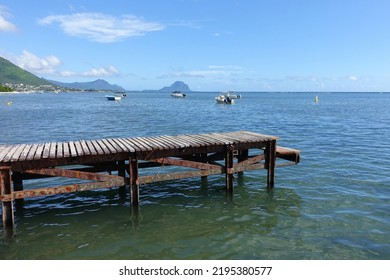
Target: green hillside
point(10, 73)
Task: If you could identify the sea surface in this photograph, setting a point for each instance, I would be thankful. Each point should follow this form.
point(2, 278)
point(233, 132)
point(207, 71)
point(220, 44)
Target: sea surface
point(335, 204)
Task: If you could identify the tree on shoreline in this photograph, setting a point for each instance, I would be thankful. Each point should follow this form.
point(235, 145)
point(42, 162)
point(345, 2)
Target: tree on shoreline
point(5, 89)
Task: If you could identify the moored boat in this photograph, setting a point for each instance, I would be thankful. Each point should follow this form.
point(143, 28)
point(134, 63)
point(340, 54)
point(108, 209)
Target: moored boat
point(223, 99)
point(231, 94)
point(113, 97)
point(178, 94)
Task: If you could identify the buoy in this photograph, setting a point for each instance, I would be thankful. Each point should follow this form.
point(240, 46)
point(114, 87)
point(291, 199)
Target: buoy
point(316, 99)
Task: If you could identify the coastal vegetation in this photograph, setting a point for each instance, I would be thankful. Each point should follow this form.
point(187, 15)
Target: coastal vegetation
point(5, 88)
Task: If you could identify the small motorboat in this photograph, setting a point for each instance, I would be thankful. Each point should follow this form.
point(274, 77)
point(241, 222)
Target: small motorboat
point(224, 99)
point(231, 94)
point(113, 97)
point(178, 94)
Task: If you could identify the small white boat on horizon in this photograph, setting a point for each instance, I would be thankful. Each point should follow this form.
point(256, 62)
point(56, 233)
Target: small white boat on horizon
point(113, 97)
point(178, 94)
point(231, 94)
point(223, 99)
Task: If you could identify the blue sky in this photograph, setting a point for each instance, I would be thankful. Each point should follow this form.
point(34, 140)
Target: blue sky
point(212, 45)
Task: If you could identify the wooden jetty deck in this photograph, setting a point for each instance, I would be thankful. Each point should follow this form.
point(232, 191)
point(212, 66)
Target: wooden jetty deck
point(117, 162)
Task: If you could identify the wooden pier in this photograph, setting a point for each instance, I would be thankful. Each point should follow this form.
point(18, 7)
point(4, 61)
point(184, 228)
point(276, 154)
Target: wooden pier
point(118, 162)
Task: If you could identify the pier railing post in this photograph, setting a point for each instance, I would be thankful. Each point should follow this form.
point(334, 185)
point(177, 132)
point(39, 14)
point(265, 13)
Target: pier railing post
point(134, 180)
point(7, 206)
point(270, 161)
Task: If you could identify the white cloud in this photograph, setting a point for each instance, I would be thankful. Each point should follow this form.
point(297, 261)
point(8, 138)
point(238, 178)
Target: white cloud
point(353, 78)
point(101, 72)
point(50, 66)
point(102, 28)
point(35, 64)
point(6, 25)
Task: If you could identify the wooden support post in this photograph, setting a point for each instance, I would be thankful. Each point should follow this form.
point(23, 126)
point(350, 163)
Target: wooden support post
point(134, 180)
point(122, 169)
point(242, 156)
point(270, 160)
point(229, 169)
point(18, 186)
point(203, 178)
point(7, 206)
point(122, 173)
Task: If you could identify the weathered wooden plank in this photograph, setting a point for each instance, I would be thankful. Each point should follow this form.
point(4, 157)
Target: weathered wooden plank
point(60, 150)
point(176, 176)
point(53, 150)
point(24, 153)
point(17, 153)
point(258, 136)
point(72, 149)
point(224, 138)
point(90, 147)
point(109, 146)
point(150, 141)
point(166, 143)
point(85, 148)
point(98, 147)
point(4, 150)
point(140, 142)
point(66, 149)
point(242, 137)
point(209, 140)
point(10, 153)
point(128, 146)
point(31, 152)
point(78, 147)
point(59, 172)
point(190, 141)
point(250, 161)
point(118, 148)
point(132, 144)
point(176, 141)
point(61, 189)
point(187, 163)
point(46, 150)
point(119, 145)
point(39, 151)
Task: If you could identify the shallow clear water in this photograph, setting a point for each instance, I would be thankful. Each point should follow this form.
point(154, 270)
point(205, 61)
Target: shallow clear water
point(333, 205)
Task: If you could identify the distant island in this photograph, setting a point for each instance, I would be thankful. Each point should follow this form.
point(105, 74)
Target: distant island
point(97, 85)
point(176, 86)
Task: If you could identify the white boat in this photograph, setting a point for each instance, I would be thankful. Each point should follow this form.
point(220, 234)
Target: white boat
point(113, 97)
point(223, 99)
point(178, 94)
point(231, 94)
point(120, 93)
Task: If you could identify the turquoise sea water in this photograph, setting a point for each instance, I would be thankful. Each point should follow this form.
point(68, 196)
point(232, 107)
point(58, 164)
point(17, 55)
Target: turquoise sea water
point(333, 205)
